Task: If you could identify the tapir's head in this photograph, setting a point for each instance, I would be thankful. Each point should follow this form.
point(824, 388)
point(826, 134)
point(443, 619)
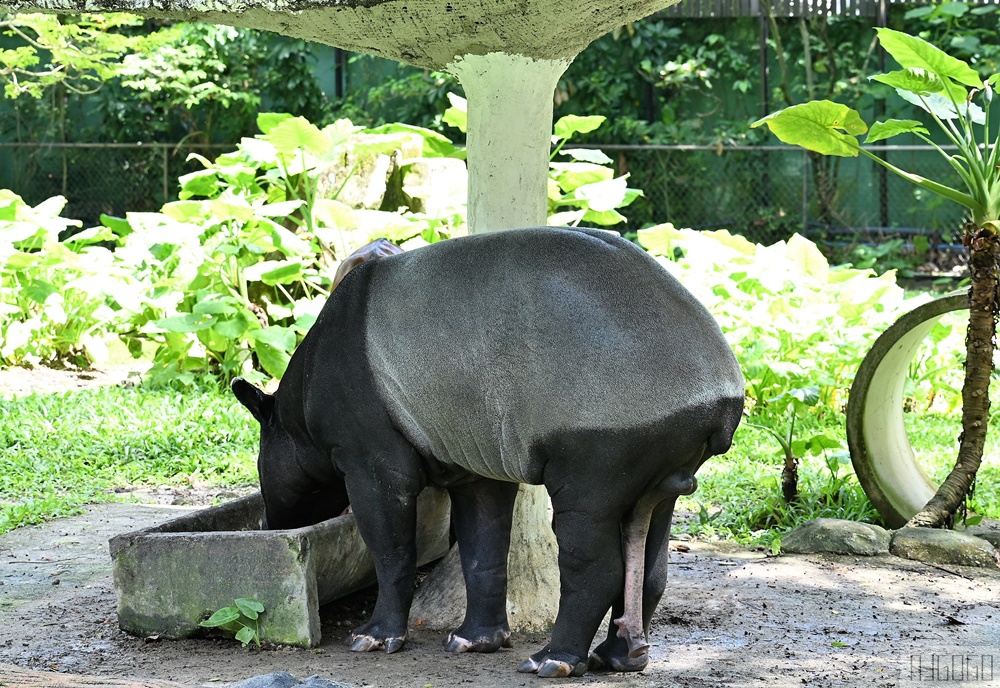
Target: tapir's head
point(298, 483)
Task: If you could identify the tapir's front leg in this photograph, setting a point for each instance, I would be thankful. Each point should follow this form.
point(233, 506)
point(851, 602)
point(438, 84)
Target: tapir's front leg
point(385, 506)
point(482, 512)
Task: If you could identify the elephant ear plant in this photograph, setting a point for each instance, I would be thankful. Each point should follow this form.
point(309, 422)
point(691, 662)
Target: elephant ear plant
point(947, 89)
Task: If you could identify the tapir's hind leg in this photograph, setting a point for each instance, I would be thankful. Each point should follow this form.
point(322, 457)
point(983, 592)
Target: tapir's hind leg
point(482, 512)
point(591, 573)
point(614, 653)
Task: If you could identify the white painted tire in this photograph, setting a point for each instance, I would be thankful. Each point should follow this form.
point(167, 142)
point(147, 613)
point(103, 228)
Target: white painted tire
point(876, 435)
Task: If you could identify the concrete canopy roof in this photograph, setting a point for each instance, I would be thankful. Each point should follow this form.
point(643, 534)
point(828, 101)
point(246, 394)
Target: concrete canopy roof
point(425, 33)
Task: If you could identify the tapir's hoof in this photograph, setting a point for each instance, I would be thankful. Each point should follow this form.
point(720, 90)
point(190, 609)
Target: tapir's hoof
point(559, 666)
point(455, 642)
point(600, 661)
point(636, 639)
point(366, 643)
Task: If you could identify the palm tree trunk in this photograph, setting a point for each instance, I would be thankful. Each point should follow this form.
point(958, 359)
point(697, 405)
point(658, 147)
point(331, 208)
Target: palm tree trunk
point(984, 249)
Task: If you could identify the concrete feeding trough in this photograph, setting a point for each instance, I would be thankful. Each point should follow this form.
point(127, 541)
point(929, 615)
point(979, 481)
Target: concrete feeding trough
point(170, 577)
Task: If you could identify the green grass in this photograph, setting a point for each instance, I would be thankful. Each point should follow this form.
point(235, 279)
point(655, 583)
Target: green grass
point(739, 494)
point(934, 437)
point(59, 452)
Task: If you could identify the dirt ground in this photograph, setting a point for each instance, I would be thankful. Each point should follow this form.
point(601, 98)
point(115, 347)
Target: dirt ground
point(730, 617)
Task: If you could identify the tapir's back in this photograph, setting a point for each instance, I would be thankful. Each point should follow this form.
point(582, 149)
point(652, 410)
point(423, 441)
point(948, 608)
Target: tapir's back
point(481, 346)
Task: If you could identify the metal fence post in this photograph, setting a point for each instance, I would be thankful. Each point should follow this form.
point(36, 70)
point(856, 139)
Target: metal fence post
point(166, 174)
point(805, 191)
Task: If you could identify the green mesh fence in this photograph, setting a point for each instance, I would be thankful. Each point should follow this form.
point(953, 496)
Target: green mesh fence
point(766, 193)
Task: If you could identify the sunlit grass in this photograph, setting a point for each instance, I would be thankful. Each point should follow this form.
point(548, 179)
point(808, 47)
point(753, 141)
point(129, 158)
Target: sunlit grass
point(739, 494)
point(59, 452)
point(934, 438)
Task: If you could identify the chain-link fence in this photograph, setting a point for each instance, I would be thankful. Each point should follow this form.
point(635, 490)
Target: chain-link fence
point(96, 178)
point(769, 192)
point(764, 192)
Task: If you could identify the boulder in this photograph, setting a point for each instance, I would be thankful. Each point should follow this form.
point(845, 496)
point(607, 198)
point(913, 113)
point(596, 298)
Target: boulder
point(837, 536)
point(991, 536)
point(935, 546)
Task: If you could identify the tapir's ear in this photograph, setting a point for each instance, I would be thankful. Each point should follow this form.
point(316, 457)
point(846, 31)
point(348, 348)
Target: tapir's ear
point(260, 404)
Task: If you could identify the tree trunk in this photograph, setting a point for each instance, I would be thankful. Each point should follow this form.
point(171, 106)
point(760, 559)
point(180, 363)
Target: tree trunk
point(980, 341)
point(790, 480)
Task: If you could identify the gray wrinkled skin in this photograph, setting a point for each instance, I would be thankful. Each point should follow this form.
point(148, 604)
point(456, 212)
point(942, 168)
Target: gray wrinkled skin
point(566, 358)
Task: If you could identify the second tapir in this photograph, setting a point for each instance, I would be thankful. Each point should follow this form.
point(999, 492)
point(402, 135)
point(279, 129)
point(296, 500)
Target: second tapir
point(565, 358)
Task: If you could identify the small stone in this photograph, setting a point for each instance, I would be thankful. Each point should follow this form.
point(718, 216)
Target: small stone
point(837, 536)
point(282, 679)
point(936, 546)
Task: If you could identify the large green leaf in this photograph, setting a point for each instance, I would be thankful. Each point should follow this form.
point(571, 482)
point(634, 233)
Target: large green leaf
point(576, 124)
point(119, 225)
point(39, 291)
point(282, 338)
point(604, 196)
point(296, 133)
point(249, 607)
point(246, 635)
point(222, 617)
point(435, 145)
point(911, 51)
point(572, 175)
point(266, 121)
point(943, 107)
point(922, 82)
point(200, 183)
point(884, 130)
point(282, 272)
point(660, 240)
point(458, 114)
point(805, 255)
point(593, 155)
point(236, 326)
point(820, 125)
point(271, 358)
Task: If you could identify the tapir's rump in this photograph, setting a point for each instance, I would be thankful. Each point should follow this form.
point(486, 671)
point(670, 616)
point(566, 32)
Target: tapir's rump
point(567, 358)
point(483, 345)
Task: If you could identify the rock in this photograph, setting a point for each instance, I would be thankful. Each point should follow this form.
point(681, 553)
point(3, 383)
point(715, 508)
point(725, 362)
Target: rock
point(991, 536)
point(935, 546)
point(282, 679)
point(837, 536)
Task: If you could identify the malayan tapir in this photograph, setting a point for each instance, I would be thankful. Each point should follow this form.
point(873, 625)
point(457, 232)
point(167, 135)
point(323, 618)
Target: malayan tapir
point(556, 357)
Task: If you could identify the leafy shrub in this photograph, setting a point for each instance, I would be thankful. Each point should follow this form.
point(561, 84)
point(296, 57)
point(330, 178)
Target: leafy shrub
point(59, 298)
point(800, 329)
point(794, 320)
point(240, 266)
point(227, 280)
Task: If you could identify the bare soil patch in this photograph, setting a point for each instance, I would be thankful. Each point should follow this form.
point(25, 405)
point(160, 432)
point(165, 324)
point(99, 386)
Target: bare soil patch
point(731, 617)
